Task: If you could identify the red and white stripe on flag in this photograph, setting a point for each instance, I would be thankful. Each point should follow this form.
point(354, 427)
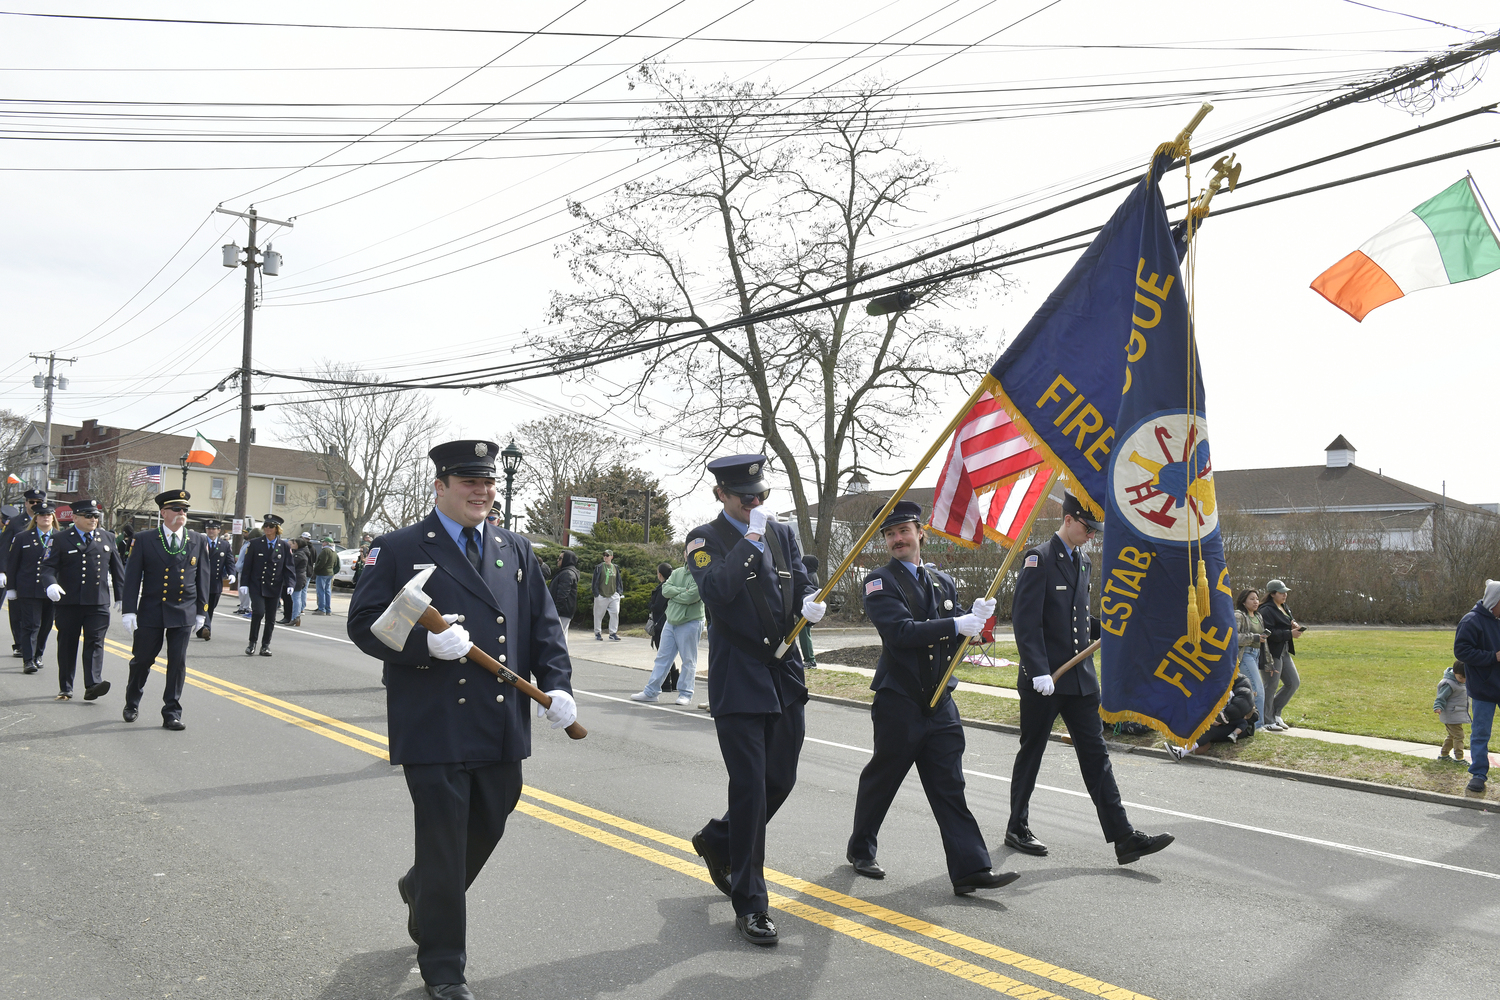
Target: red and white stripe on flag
point(988, 454)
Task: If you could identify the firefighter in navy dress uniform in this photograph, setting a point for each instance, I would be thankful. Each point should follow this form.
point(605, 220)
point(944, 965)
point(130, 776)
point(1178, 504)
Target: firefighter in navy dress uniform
point(27, 594)
point(14, 525)
point(1052, 623)
point(220, 572)
point(752, 580)
point(457, 730)
point(166, 588)
point(915, 610)
point(78, 573)
point(268, 574)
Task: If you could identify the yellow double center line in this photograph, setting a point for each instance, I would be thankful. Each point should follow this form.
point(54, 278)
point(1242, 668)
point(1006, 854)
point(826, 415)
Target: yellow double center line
point(686, 863)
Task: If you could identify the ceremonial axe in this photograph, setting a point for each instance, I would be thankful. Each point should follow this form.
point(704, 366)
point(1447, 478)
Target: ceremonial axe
point(413, 607)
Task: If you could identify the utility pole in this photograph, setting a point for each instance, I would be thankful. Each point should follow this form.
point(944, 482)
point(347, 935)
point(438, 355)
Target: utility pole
point(51, 380)
point(270, 264)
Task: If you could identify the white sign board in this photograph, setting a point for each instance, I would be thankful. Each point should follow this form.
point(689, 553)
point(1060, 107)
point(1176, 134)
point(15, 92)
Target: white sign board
point(583, 514)
point(239, 526)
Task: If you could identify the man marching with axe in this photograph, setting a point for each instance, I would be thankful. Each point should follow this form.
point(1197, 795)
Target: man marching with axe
point(457, 726)
point(1053, 627)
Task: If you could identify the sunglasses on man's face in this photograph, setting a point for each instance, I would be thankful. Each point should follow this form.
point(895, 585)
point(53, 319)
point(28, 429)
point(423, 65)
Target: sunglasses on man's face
point(178, 510)
point(748, 498)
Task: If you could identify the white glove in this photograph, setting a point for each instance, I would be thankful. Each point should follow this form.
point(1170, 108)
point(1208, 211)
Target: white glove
point(813, 611)
point(969, 625)
point(984, 608)
point(759, 518)
point(564, 710)
point(451, 643)
point(198, 622)
point(1043, 684)
point(2, 579)
point(10, 595)
point(290, 590)
point(244, 591)
point(54, 592)
point(229, 580)
point(129, 622)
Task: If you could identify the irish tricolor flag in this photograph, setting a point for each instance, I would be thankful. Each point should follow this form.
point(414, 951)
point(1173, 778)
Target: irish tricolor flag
point(202, 452)
point(1444, 240)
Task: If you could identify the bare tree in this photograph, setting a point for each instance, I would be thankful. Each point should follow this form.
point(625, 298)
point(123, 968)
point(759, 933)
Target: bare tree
point(366, 440)
point(561, 451)
point(740, 220)
point(107, 483)
point(12, 429)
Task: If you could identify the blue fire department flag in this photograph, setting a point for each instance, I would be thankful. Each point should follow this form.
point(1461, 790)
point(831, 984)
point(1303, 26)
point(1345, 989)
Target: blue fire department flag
point(1168, 650)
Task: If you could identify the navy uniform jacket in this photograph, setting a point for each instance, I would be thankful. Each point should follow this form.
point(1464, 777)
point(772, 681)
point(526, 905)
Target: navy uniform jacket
point(23, 564)
point(455, 711)
point(1051, 616)
point(84, 571)
point(740, 678)
point(268, 566)
point(914, 653)
point(162, 589)
point(220, 561)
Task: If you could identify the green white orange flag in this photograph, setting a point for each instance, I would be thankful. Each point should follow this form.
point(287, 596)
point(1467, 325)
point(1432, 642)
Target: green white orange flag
point(1444, 240)
point(202, 452)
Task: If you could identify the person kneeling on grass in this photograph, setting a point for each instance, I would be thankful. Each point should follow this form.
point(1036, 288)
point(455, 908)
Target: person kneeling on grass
point(1451, 706)
point(1235, 721)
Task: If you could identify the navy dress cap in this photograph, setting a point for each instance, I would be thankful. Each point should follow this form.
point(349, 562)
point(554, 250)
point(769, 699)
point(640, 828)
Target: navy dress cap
point(1072, 507)
point(172, 496)
point(43, 508)
point(35, 494)
point(904, 511)
point(465, 458)
point(273, 519)
point(210, 523)
point(86, 508)
point(740, 473)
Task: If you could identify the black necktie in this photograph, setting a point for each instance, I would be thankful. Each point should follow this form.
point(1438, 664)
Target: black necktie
point(471, 547)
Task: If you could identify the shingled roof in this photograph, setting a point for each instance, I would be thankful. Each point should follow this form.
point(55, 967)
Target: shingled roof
point(1316, 487)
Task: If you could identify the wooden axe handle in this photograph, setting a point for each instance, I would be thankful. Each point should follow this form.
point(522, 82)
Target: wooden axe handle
point(1084, 655)
point(432, 621)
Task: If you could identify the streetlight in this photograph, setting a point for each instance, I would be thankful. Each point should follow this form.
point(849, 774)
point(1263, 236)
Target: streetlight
point(510, 457)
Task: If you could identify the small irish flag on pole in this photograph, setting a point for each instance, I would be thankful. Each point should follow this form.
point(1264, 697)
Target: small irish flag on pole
point(202, 452)
point(1444, 240)
point(12, 479)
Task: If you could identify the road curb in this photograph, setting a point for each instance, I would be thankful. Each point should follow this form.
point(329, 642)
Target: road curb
point(1307, 777)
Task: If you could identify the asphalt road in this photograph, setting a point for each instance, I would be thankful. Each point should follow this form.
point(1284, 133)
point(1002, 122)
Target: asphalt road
point(255, 855)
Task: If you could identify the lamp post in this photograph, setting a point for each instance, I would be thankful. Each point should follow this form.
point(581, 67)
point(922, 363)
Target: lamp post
point(511, 457)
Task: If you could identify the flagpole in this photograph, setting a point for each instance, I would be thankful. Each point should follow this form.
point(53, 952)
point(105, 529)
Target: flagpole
point(986, 384)
point(1010, 557)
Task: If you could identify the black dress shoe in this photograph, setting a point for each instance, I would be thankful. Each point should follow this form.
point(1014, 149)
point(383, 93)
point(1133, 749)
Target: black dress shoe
point(449, 991)
point(718, 867)
point(205, 632)
point(250, 649)
point(30, 667)
point(96, 691)
point(265, 651)
point(176, 725)
point(986, 879)
point(1025, 843)
point(129, 715)
point(868, 867)
point(756, 928)
point(1138, 845)
point(411, 910)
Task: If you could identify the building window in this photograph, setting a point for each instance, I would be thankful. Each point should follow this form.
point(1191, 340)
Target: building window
point(322, 496)
point(281, 494)
point(338, 501)
point(216, 489)
point(72, 480)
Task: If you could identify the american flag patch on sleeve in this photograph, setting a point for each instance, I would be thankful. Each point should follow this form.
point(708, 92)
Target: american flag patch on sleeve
point(1030, 562)
point(874, 585)
point(370, 559)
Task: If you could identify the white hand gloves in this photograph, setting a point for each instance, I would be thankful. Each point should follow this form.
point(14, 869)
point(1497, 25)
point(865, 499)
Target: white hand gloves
point(229, 580)
point(759, 518)
point(1043, 684)
point(10, 595)
point(129, 622)
point(2, 580)
point(812, 610)
point(244, 591)
point(55, 593)
point(198, 622)
point(969, 625)
point(984, 608)
point(451, 643)
point(564, 710)
point(291, 590)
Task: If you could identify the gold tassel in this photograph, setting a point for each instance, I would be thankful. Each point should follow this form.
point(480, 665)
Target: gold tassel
point(1193, 632)
point(1203, 596)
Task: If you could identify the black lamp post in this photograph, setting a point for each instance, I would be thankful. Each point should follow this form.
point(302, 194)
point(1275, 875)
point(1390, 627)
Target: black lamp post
point(511, 457)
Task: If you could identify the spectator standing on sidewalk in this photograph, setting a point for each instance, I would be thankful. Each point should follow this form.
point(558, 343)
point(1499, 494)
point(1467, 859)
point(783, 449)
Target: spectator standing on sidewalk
point(678, 636)
point(805, 636)
point(301, 564)
point(1281, 635)
point(325, 567)
point(564, 588)
point(1251, 630)
point(1477, 644)
point(1452, 709)
point(609, 584)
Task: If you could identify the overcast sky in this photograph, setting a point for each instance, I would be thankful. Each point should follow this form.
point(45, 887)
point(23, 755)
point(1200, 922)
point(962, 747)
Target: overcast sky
point(371, 277)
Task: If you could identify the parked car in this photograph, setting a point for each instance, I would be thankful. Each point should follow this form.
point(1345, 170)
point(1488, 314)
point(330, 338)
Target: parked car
point(345, 575)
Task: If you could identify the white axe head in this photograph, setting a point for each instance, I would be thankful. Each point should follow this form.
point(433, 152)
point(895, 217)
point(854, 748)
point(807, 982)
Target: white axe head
point(395, 623)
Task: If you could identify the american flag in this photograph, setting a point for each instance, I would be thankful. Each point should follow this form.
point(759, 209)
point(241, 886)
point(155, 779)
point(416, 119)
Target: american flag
point(146, 474)
point(988, 454)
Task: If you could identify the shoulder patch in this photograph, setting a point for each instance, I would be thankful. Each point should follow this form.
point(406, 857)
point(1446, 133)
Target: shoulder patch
point(874, 585)
point(1031, 562)
point(694, 546)
point(701, 559)
point(370, 559)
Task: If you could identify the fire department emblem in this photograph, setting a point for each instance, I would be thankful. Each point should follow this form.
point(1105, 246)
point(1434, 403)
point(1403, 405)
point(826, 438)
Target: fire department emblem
point(1163, 480)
